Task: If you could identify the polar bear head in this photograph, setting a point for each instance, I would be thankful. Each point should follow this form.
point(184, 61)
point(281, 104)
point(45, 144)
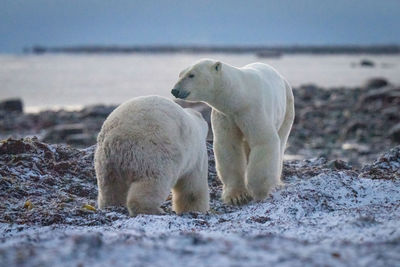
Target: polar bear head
point(197, 82)
point(200, 121)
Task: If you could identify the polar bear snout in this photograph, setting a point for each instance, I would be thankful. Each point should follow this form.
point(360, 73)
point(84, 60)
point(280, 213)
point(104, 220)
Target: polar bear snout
point(175, 92)
point(179, 93)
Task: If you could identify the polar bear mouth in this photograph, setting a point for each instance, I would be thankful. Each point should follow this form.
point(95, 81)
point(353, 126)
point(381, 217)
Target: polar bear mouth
point(180, 93)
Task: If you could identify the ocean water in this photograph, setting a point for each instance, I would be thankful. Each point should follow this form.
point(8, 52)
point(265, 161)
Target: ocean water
point(72, 81)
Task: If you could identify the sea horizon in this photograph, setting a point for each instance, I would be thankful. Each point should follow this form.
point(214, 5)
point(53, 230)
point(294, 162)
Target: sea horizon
point(72, 81)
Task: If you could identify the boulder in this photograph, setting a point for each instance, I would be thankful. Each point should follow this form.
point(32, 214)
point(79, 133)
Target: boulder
point(394, 133)
point(81, 140)
point(12, 105)
point(97, 111)
point(367, 63)
point(387, 166)
point(59, 133)
point(392, 113)
point(307, 92)
point(387, 94)
point(338, 164)
point(376, 83)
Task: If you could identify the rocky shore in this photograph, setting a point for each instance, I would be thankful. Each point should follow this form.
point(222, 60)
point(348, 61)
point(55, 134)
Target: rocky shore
point(327, 213)
point(351, 124)
point(340, 206)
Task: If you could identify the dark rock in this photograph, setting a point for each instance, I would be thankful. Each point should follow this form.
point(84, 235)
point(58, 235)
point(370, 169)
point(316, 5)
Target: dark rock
point(258, 219)
point(82, 139)
point(97, 111)
point(307, 92)
point(367, 63)
point(62, 167)
point(13, 147)
point(354, 126)
point(338, 164)
point(386, 94)
point(12, 105)
point(391, 113)
point(59, 133)
point(376, 83)
point(387, 166)
point(394, 133)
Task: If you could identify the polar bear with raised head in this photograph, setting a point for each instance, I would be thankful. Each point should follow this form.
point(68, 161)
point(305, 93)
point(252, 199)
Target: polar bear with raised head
point(252, 115)
point(148, 146)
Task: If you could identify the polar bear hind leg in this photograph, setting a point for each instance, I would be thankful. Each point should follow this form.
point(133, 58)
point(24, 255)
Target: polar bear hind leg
point(231, 161)
point(191, 192)
point(146, 195)
point(286, 126)
point(113, 194)
point(112, 191)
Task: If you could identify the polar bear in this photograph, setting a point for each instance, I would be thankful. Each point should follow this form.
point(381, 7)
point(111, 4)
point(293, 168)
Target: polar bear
point(252, 115)
point(147, 146)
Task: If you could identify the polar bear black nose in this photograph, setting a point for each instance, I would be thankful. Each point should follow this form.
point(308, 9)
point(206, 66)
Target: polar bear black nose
point(175, 92)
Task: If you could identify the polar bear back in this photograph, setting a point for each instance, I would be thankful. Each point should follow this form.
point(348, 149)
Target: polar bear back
point(267, 86)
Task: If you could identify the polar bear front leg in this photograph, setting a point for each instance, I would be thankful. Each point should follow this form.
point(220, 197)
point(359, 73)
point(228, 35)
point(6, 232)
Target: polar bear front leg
point(230, 159)
point(263, 169)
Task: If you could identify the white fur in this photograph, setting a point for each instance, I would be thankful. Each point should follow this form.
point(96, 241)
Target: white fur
point(147, 146)
point(253, 112)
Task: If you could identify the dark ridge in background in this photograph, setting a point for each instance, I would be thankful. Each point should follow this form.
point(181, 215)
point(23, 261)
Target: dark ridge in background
point(267, 50)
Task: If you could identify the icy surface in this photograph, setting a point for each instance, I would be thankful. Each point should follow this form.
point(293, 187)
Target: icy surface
point(325, 214)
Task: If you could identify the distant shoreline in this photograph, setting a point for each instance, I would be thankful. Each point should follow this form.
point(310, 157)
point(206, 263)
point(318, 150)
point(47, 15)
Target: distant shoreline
point(259, 50)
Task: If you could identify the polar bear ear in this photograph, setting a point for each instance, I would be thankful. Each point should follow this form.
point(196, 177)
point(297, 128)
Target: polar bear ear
point(217, 66)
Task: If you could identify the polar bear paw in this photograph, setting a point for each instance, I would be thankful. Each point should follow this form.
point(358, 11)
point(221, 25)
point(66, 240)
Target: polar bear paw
point(236, 197)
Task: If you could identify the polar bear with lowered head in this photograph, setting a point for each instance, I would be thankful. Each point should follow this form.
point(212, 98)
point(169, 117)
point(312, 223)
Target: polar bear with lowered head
point(252, 115)
point(147, 146)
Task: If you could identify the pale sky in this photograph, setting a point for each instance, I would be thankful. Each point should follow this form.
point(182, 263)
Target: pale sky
point(24, 23)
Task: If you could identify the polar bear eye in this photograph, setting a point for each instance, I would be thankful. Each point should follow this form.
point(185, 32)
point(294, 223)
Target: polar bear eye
point(191, 75)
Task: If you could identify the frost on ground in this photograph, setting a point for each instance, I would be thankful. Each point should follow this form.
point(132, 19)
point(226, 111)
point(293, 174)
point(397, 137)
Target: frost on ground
point(326, 214)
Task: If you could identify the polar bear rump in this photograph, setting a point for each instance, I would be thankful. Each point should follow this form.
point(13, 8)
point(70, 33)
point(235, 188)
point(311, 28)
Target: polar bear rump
point(147, 147)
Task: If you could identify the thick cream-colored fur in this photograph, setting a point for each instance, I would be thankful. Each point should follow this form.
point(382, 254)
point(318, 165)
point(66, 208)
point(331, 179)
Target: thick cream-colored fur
point(148, 146)
point(253, 113)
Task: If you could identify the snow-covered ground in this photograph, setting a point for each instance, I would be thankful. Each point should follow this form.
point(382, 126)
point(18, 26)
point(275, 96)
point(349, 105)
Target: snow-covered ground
point(325, 214)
